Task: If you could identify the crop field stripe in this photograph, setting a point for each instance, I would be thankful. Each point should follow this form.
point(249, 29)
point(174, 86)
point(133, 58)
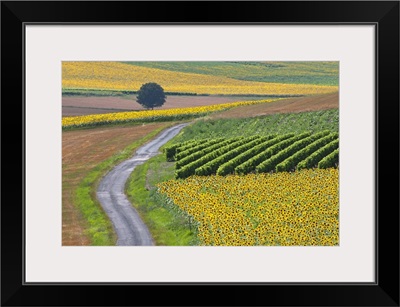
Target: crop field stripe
point(124, 77)
point(183, 154)
point(314, 158)
point(330, 160)
point(185, 147)
point(323, 73)
point(230, 166)
point(270, 164)
point(251, 164)
point(190, 142)
point(212, 166)
point(200, 153)
point(96, 120)
point(290, 163)
point(170, 151)
point(190, 168)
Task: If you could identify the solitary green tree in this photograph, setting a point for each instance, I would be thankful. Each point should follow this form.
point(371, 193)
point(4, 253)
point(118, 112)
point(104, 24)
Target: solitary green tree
point(151, 95)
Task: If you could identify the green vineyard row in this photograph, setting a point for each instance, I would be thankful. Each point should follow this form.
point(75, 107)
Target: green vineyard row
point(243, 155)
point(181, 154)
point(190, 168)
point(227, 154)
point(269, 164)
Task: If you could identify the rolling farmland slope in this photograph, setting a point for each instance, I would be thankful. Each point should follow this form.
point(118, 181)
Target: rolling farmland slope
point(125, 77)
point(259, 166)
point(318, 73)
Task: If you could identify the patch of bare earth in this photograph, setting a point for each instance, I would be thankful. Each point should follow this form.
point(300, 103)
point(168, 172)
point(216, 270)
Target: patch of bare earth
point(290, 105)
point(75, 106)
point(82, 150)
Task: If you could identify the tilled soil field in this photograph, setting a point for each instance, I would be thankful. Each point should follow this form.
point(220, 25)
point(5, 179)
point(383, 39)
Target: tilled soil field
point(290, 105)
point(79, 105)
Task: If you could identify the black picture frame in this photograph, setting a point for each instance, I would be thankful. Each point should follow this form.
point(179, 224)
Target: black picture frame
point(383, 14)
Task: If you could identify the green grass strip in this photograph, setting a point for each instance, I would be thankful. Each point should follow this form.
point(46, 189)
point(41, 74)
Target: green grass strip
point(168, 226)
point(100, 229)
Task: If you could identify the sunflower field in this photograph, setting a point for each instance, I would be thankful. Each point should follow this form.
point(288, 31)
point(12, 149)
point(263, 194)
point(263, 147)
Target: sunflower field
point(152, 115)
point(275, 209)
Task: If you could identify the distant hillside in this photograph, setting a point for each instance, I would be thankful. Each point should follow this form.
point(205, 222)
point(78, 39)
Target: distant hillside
point(118, 76)
point(318, 73)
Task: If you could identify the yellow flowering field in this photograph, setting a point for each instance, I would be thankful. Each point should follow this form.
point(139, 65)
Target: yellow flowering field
point(121, 76)
point(274, 209)
point(152, 115)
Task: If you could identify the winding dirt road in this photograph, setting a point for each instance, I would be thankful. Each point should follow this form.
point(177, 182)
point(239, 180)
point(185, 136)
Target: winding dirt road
point(130, 228)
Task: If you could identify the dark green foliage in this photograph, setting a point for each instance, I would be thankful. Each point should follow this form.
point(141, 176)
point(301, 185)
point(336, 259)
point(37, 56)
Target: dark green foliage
point(250, 165)
point(190, 168)
point(170, 151)
point(151, 95)
point(193, 149)
point(185, 147)
point(270, 164)
point(243, 155)
point(290, 163)
point(314, 158)
point(331, 160)
point(230, 166)
point(212, 166)
point(200, 153)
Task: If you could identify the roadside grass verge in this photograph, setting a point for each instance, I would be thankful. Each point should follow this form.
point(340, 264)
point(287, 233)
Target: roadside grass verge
point(100, 229)
point(166, 226)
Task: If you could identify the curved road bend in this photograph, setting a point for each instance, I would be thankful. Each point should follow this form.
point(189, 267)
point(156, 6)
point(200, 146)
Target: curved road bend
point(128, 225)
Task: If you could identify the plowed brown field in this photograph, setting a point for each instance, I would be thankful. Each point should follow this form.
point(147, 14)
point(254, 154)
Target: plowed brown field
point(74, 106)
point(291, 105)
point(82, 150)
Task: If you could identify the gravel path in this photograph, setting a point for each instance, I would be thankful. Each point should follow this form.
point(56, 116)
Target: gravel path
point(128, 225)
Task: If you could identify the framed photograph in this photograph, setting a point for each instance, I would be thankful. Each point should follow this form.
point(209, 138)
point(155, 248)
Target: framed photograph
point(241, 147)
